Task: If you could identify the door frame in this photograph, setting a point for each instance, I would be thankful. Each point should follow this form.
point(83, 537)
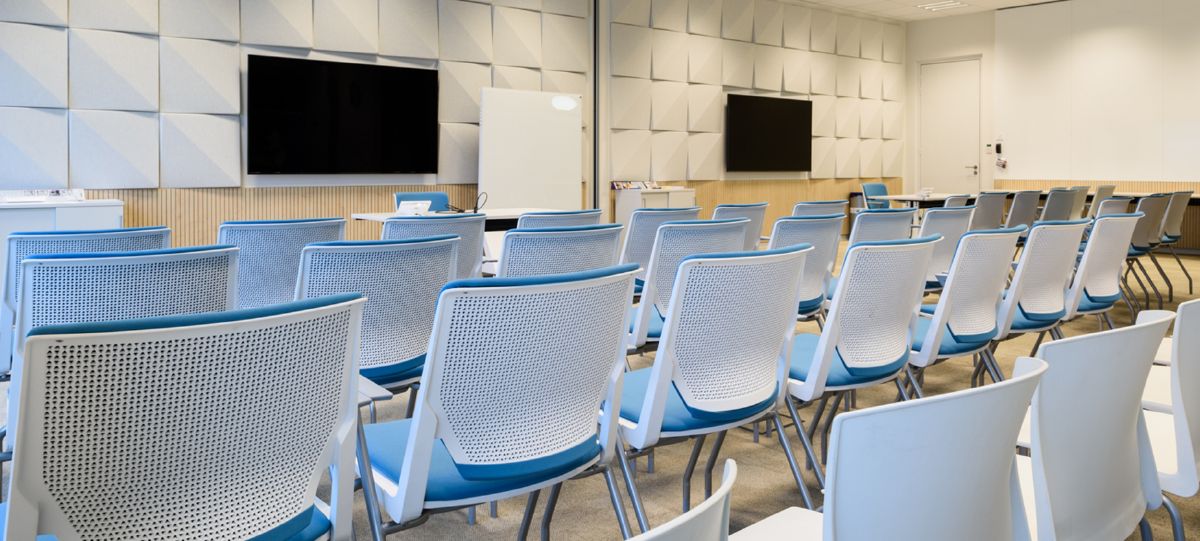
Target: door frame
point(917, 172)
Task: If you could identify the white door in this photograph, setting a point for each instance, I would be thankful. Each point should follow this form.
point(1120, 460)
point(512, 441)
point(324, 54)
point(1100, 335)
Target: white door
point(949, 129)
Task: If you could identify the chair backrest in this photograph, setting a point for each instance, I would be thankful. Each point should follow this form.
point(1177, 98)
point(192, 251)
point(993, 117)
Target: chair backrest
point(872, 311)
point(1024, 208)
point(1081, 196)
point(955, 452)
point(643, 229)
point(968, 302)
point(401, 280)
point(270, 254)
point(1087, 432)
point(496, 401)
point(873, 225)
point(755, 212)
point(1185, 401)
point(555, 250)
point(708, 521)
point(1176, 210)
point(823, 233)
point(951, 224)
point(1098, 274)
point(128, 421)
point(820, 208)
point(959, 200)
point(558, 218)
point(1059, 203)
point(875, 189)
point(1112, 205)
point(24, 244)
point(468, 227)
point(438, 201)
point(1043, 273)
point(726, 338)
point(1148, 233)
point(1102, 193)
point(989, 210)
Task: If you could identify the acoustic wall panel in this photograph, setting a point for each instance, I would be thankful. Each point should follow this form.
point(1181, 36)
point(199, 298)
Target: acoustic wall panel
point(574, 8)
point(823, 37)
point(737, 64)
point(517, 37)
point(669, 14)
point(893, 81)
point(892, 120)
point(704, 60)
point(200, 19)
point(849, 35)
point(631, 49)
point(630, 103)
point(737, 20)
point(33, 65)
point(565, 43)
point(669, 106)
point(465, 31)
point(704, 108)
point(797, 26)
point(796, 71)
point(704, 17)
point(768, 67)
point(824, 73)
point(410, 28)
point(870, 158)
point(113, 150)
point(824, 158)
point(870, 122)
point(892, 153)
point(346, 25)
point(668, 156)
point(535, 5)
point(33, 147)
point(893, 43)
point(872, 40)
point(48, 12)
point(847, 77)
point(669, 59)
point(870, 84)
point(199, 76)
point(458, 153)
point(634, 12)
point(121, 15)
point(768, 22)
point(847, 158)
point(630, 155)
point(113, 70)
point(200, 151)
point(565, 82)
point(706, 156)
point(458, 90)
point(848, 113)
point(824, 116)
point(515, 78)
point(286, 23)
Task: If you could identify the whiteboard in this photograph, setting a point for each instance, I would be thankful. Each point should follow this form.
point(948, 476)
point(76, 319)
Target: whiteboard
point(531, 149)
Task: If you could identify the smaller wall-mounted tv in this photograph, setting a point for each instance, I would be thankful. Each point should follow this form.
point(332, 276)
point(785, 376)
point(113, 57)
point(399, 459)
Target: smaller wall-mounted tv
point(767, 134)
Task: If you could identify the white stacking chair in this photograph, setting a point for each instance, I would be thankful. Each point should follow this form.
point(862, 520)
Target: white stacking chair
point(497, 418)
point(959, 200)
point(1024, 209)
point(871, 225)
point(1035, 300)
point(951, 224)
point(963, 322)
point(823, 232)
point(1103, 193)
point(1097, 284)
point(558, 218)
point(1091, 474)
point(708, 521)
point(401, 280)
point(1080, 201)
point(270, 254)
point(1146, 237)
point(640, 235)
point(468, 227)
point(673, 242)
point(1173, 228)
point(1059, 204)
point(820, 208)
point(556, 250)
point(755, 212)
point(989, 210)
point(202, 426)
point(938, 468)
point(722, 361)
point(1112, 205)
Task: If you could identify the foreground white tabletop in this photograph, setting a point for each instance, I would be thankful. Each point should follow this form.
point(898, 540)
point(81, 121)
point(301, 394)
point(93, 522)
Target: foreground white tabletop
point(492, 214)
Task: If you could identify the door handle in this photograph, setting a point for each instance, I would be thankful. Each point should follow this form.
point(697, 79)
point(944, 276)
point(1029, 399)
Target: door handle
point(974, 169)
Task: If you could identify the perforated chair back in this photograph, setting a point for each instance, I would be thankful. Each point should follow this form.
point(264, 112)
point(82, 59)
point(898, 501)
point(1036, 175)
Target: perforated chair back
point(401, 280)
point(1097, 281)
point(1090, 399)
point(823, 233)
point(560, 218)
point(1081, 195)
point(1185, 402)
point(1113, 205)
point(496, 402)
point(1024, 208)
point(989, 210)
point(874, 225)
point(643, 229)
point(1176, 210)
point(1039, 284)
point(957, 452)
point(708, 521)
point(468, 227)
point(820, 208)
point(556, 250)
point(1102, 193)
point(270, 255)
point(960, 200)
point(875, 189)
point(205, 426)
point(1148, 233)
point(438, 201)
point(1059, 203)
point(755, 212)
point(951, 224)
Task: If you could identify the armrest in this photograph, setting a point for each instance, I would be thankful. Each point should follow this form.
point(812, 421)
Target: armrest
point(369, 391)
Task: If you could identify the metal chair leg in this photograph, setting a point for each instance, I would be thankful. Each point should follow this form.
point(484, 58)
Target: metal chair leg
point(530, 506)
point(1056, 333)
point(912, 380)
point(638, 510)
point(1161, 272)
point(712, 462)
point(1144, 530)
point(412, 401)
point(1150, 281)
point(837, 400)
point(1177, 531)
point(374, 517)
point(1109, 321)
point(492, 510)
point(1140, 283)
point(689, 470)
point(548, 514)
point(791, 460)
point(1182, 268)
point(993, 366)
point(903, 390)
point(806, 441)
point(471, 515)
point(1038, 343)
point(618, 506)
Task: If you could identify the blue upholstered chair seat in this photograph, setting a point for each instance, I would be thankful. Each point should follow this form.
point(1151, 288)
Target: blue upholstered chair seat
point(1092, 304)
point(1171, 239)
point(805, 346)
point(654, 330)
point(638, 284)
point(309, 525)
point(1134, 251)
point(1024, 321)
point(678, 416)
point(388, 442)
point(929, 309)
point(394, 373)
point(811, 306)
point(951, 345)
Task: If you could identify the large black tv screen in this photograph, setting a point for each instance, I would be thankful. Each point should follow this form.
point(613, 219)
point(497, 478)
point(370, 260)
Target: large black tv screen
point(316, 117)
point(767, 134)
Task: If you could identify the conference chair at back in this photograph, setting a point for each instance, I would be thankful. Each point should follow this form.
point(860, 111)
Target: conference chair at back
point(1173, 228)
point(467, 227)
point(1103, 193)
point(951, 224)
point(989, 210)
point(871, 190)
point(1080, 201)
point(557, 250)
point(755, 212)
point(873, 225)
point(643, 229)
point(959, 200)
point(921, 470)
point(202, 426)
point(1024, 208)
point(438, 201)
point(1146, 237)
point(1098, 283)
point(721, 362)
point(558, 218)
point(1112, 205)
point(1059, 204)
point(823, 232)
point(497, 418)
point(1035, 300)
point(820, 208)
point(270, 254)
point(708, 521)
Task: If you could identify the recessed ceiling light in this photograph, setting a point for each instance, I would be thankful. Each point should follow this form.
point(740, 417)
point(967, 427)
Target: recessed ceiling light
point(939, 6)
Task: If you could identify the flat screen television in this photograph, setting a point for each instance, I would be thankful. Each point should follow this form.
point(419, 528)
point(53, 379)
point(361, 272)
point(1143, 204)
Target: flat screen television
point(767, 134)
point(317, 117)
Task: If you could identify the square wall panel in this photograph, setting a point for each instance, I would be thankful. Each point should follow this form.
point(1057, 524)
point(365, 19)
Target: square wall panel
point(824, 158)
point(870, 158)
point(630, 155)
point(199, 76)
point(465, 31)
point(458, 154)
point(737, 20)
point(669, 14)
point(893, 81)
point(848, 113)
point(893, 43)
point(823, 37)
point(847, 77)
point(870, 119)
point(704, 60)
point(706, 156)
point(768, 67)
point(824, 116)
point(33, 148)
point(286, 23)
point(824, 73)
point(704, 17)
point(113, 150)
point(121, 15)
point(768, 22)
point(704, 108)
point(346, 25)
point(459, 84)
point(848, 161)
point(200, 151)
point(408, 28)
point(797, 69)
point(872, 40)
point(574, 8)
point(565, 82)
point(113, 70)
point(737, 64)
point(200, 19)
point(892, 116)
point(517, 36)
point(668, 156)
point(516, 78)
point(670, 56)
point(849, 35)
point(533, 5)
point(565, 44)
point(634, 12)
point(870, 83)
point(893, 159)
point(669, 106)
point(33, 66)
point(48, 12)
point(630, 100)
point(631, 47)
point(797, 26)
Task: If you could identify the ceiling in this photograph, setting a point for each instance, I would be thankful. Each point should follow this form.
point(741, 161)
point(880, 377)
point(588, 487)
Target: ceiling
point(907, 10)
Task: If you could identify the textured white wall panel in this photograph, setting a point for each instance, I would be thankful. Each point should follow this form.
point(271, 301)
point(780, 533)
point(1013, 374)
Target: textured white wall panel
point(465, 31)
point(633, 12)
point(201, 19)
point(33, 66)
point(516, 78)
point(113, 70)
point(824, 116)
point(631, 46)
point(49, 12)
point(630, 154)
point(346, 25)
point(737, 20)
point(199, 76)
point(670, 56)
point(824, 158)
point(706, 156)
point(737, 64)
point(121, 15)
point(669, 106)
point(797, 70)
point(704, 17)
point(565, 43)
point(847, 158)
point(870, 158)
point(824, 32)
point(33, 147)
point(458, 153)
point(408, 28)
point(669, 14)
point(113, 150)
point(630, 103)
point(768, 22)
point(517, 35)
point(286, 23)
point(704, 108)
point(458, 90)
point(200, 151)
point(668, 155)
point(848, 113)
point(704, 60)
point(797, 26)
